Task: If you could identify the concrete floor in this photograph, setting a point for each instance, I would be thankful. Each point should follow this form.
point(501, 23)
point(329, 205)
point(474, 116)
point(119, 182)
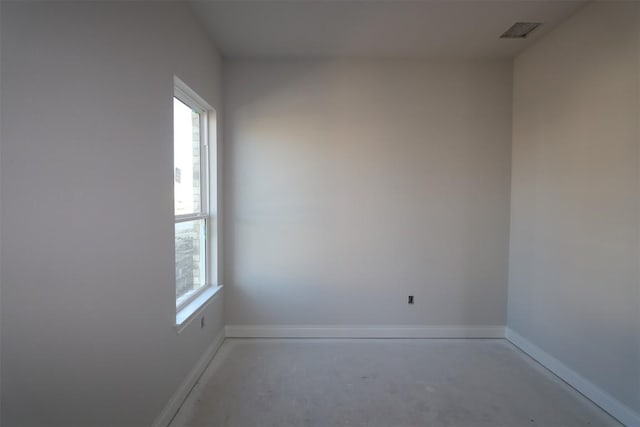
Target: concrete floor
point(381, 383)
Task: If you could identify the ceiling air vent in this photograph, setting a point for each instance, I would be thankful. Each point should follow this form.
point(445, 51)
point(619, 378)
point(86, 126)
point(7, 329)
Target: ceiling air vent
point(520, 30)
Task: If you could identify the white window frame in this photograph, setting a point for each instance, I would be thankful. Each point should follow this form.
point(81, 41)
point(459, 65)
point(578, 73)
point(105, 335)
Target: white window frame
point(193, 303)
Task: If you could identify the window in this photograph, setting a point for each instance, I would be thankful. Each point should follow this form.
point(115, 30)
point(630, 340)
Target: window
point(195, 195)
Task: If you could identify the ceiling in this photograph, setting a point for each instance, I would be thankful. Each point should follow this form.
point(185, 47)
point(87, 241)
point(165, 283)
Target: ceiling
point(374, 28)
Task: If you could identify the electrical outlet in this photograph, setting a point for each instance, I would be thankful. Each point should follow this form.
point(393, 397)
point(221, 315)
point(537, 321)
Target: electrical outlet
point(410, 299)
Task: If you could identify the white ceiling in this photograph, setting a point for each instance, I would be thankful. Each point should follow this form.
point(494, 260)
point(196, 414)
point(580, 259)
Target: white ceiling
point(374, 28)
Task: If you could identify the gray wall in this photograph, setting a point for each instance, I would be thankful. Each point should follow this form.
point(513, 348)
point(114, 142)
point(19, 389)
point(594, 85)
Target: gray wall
point(573, 282)
point(88, 298)
point(353, 184)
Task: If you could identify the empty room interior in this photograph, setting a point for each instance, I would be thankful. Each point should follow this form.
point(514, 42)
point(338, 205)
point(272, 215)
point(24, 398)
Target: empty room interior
point(385, 213)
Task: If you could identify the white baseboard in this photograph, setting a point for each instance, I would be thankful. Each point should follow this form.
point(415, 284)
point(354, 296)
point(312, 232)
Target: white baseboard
point(600, 397)
point(181, 394)
point(343, 331)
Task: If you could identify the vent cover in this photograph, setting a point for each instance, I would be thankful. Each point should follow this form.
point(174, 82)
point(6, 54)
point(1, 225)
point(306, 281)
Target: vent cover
point(520, 30)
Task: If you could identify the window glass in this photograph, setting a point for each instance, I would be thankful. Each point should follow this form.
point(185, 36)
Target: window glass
point(186, 159)
point(191, 245)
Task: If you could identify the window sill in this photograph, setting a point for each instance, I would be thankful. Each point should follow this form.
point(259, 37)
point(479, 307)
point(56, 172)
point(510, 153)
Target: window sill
point(195, 307)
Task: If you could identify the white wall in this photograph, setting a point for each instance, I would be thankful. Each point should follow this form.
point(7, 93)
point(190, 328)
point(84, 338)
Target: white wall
point(87, 215)
point(1, 126)
point(351, 185)
point(574, 283)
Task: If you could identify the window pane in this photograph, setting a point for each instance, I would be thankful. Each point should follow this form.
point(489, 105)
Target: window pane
point(190, 258)
point(186, 158)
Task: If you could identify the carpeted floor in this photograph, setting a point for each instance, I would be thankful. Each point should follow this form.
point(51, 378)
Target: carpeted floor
point(381, 383)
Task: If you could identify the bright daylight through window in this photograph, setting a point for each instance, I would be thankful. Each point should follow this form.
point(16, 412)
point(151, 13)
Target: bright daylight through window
point(194, 201)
